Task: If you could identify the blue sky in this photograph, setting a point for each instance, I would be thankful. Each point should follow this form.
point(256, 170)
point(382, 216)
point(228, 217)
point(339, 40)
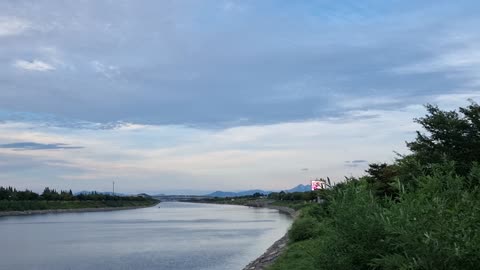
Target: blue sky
point(205, 95)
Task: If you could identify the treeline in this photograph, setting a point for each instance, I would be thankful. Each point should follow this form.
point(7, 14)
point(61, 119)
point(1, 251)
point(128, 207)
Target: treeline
point(420, 212)
point(12, 199)
point(294, 196)
point(12, 194)
point(295, 200)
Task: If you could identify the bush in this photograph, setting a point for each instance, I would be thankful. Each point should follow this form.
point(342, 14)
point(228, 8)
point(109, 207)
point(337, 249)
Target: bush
point(303, 228)
point(435, 227)
point(353, 235)
point(422, 212)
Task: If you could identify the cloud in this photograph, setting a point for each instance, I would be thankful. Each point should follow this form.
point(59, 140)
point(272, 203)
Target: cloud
point(154, 157)
point(457, 59)
point(35, 65)
point(231, 6)
point(37, 146)
point(226, 94)
point(356, 163)
point(316, 59)
point(267, 156)
point(109, 71)
point(10, 26)
point(369, 102)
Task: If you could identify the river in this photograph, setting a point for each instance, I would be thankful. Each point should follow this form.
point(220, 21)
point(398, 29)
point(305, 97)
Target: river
point(172, 235)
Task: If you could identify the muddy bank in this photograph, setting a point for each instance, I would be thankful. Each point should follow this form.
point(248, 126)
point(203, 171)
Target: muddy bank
point(57, 211)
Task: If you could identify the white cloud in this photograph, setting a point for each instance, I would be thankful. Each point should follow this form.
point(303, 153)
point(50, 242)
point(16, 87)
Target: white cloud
point(109, 71)
point(459, 58)
point(56, 57)
point(452, 101)
point(263, 156)
point(35, 65)
point(10, 26)
point(150, 157)
point(355, 103)
point(233, 6)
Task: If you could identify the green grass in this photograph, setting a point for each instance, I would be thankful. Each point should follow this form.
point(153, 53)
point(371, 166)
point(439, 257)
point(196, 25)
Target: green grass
point(297, 205)
point(298, 256)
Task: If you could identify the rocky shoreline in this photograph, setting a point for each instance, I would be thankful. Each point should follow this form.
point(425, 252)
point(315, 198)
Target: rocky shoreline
point(57, 211)
point(277, 248)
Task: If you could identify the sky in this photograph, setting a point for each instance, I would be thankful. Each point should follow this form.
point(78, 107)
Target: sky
point(196, 96)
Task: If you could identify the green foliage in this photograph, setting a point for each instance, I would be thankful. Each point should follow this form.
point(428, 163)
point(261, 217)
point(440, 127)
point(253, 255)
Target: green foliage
point(408, 169)
point(303, 229)
point(434, 227)
point(381, 178)
point(46, 205)
point(13, 200)
point(422, 212)
point(299, 256)
point(353, 235)
point(294, 196)
point(451, 135)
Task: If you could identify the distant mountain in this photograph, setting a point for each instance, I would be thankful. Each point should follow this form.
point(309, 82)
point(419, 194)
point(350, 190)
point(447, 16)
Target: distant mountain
point(223, 194)
point(300, 188)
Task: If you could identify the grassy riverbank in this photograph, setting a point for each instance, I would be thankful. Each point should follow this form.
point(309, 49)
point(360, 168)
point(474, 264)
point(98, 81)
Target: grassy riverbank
point(52, 205)
point(421, 212)
point(14, 200)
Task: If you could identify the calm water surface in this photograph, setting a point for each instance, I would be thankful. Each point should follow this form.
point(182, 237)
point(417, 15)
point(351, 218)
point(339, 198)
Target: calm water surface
point(172, 236)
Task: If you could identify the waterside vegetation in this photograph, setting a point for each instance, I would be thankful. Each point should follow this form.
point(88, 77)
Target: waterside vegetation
point(12, 199)
point(421, 212)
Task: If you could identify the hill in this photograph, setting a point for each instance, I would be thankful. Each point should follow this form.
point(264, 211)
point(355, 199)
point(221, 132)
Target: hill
point(223, 194)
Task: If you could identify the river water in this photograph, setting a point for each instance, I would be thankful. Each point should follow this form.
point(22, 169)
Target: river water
point(169, 236)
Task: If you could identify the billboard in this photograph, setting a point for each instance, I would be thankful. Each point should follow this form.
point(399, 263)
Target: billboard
point(318, 184)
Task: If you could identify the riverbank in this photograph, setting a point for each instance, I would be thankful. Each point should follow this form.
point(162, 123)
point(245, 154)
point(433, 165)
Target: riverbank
point(75, 210)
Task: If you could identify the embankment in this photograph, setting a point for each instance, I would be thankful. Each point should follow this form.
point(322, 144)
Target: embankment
point(79, 210)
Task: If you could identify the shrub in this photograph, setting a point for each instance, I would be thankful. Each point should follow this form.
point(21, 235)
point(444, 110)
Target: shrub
point(435, 227)
point(303, 228)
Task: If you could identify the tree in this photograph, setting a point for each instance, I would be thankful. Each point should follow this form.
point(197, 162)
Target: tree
point(381, 178)
point(257, 195)
point(450, 135)
point(50, 194)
